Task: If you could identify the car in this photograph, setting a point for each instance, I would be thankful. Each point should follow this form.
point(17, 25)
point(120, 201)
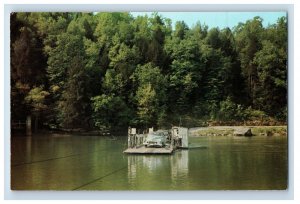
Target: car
point(156, 139)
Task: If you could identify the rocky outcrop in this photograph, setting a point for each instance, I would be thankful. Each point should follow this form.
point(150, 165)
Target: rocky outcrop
point(241, 131)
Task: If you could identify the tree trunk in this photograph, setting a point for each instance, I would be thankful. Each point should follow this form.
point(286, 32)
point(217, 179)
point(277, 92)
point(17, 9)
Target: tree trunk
point(36, 123)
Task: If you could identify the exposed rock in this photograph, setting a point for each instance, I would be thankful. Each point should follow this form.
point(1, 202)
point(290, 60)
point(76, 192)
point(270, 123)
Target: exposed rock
point(241, 131)
point(269, 133)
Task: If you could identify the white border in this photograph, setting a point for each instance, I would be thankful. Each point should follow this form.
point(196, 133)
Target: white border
point(214, 195)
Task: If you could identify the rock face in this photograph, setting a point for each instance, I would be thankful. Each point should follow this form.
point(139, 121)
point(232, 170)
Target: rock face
point(242, 132)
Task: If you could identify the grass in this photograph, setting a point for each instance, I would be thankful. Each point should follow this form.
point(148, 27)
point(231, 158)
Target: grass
point(228, 131)
point(214, 132)
point(269, 130)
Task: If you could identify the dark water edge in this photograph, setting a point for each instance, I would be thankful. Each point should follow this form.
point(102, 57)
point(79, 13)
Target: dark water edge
point(72, 162)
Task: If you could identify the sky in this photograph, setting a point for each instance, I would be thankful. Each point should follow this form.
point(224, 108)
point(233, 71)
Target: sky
point(217, 19)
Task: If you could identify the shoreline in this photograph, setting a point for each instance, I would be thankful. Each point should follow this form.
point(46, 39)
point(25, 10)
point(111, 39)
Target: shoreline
point(193, 132)
point(229, 130)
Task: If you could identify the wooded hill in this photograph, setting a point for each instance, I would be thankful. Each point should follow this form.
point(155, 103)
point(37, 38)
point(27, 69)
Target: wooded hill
point(86, 70)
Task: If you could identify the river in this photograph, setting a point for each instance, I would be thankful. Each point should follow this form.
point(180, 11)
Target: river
point(70, 162)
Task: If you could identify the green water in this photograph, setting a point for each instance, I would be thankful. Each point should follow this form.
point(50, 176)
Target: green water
point(62, 162)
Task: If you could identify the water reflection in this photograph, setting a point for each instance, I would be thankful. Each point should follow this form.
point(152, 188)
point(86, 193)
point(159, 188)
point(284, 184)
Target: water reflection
point(132, 169)
point(28, 147)
point(65, 163)
point(180, 165)
point(175, 167)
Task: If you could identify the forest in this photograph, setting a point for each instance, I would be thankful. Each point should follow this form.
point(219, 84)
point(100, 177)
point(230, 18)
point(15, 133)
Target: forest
point(112, 70)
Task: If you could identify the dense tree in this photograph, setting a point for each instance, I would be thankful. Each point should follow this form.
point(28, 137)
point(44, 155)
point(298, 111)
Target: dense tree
point(264, 64)
point(67, 75)
point(248, 37)
point(28, 63)
point(186, 72)
point(110, 112)
point(150, 95)
point(36, 99)
point(271, 68)
point(110, 70)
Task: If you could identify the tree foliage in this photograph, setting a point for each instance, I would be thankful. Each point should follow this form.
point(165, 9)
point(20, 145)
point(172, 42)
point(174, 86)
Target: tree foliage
point(109, 70)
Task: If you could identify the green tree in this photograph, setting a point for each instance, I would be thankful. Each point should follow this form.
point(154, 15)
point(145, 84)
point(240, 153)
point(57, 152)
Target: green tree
point(186, 71)
point(142, 35)
point(28, 64)
point(123, 60)
point(248, 38)
point(155, 52)
point(234, 85)
point(120, 70)
point(272, 69)
point(150, 95)
point(66, 71)
point(110, 112)
point(36, 99)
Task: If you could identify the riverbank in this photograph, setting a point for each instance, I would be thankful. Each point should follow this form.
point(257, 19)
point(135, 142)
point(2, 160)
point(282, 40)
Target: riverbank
point(67, 132)
point(194, 131)
point(229, 130)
